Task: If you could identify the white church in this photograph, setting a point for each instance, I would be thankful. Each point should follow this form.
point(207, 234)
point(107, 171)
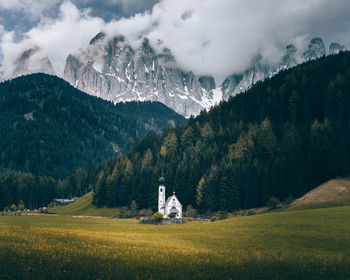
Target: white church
point(171, 206)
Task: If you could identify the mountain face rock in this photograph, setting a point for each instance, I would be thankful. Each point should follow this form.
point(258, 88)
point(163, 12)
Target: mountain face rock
point(230, 85)
point(258, 71)
point(335, 48)
point(111, 69)
point(315, 49)
point(240, 82)
point(290, 58)
point(30, 61)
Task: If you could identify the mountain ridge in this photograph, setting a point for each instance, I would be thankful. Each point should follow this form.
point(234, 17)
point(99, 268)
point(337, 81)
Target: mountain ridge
point(110, 68)
point(50, 128)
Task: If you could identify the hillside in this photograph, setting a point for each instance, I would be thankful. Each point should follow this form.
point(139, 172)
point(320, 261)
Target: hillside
point(49, 128)
point(282, 138)
point(84, 207)
point(335, 192)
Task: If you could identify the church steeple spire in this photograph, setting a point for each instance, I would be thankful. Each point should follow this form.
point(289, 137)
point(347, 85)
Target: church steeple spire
point(161, 195)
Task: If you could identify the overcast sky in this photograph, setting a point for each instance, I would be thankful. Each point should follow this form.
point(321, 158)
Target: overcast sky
point(208, 37)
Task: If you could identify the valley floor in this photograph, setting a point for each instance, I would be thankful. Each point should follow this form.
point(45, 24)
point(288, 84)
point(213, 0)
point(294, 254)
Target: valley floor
point(304, 244)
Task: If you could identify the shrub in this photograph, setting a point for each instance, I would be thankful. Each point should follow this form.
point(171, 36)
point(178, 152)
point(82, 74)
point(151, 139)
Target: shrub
point(223, 215)
point(125, 213)
point(145, 212)
point(158, 216)
point(191, 212)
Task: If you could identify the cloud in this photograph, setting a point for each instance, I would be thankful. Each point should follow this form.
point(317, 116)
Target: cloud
point(208, 37)
point(221, 37)
point(24, 14)
point(56, 38)
point(32, 9)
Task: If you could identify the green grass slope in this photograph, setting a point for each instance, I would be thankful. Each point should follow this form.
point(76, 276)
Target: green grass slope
point(308, 244)
point(84, 207)
point(332, 193)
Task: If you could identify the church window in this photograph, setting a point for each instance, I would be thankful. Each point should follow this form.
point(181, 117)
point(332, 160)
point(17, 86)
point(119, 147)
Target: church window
point(161, 190)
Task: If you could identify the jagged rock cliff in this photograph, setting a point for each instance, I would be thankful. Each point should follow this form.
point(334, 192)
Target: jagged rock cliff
point(258, 71)
point(315, 49)
point(111, 69)
point(237, 83)
point(31, 60)
point(335, 48)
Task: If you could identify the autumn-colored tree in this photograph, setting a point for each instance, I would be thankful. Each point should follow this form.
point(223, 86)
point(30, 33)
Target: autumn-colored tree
point(21, 205)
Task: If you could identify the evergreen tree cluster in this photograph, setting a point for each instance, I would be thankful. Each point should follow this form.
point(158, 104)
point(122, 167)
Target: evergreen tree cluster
point(25, 190)
point(281, 138)
point(49, 128)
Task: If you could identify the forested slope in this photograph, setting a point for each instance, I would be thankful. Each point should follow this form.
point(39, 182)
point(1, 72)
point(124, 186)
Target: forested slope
point(49, 128)
point(52, 136)
point(281, 138)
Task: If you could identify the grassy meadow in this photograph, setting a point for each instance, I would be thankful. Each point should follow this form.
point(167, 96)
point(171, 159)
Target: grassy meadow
point(84, 207)
point(332, 193)
point(304, 244)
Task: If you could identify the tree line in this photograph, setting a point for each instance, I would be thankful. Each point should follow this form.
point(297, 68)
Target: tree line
point(24, 190)
point(51, 134)
point(281, 138)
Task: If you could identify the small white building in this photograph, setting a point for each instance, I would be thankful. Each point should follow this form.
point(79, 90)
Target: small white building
point(170, 206)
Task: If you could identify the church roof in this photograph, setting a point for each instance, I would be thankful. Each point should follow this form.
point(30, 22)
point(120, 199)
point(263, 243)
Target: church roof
point(171, 197)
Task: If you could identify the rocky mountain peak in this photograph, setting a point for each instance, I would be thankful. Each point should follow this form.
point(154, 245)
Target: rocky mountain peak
point(258, 70)
point(289, 57)
point(32, 60)
point(315, 49)
point(109, 67)
point(166, 58)
point(146, 47)
point(100, 36)
point(207, 82)
point(291, 49)
point(113, 70)
point(118, 40)
point(230, 85)
point(335, 48)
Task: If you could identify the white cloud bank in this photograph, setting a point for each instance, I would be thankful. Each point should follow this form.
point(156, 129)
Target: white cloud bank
point(208, 37)
point(56, 38)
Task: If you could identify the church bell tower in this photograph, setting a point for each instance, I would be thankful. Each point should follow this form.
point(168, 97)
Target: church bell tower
point(161, 195)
